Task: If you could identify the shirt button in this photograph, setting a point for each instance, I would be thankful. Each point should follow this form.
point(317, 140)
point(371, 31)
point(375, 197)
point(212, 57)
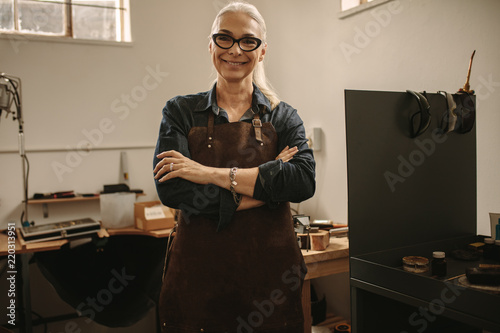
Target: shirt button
point(209, 138)
point(262, 143)
point(209, 146)
point(164, 324)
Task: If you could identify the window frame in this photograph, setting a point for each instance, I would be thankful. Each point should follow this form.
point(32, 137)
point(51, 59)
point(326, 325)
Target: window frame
point(67, 36)
point(364, 5)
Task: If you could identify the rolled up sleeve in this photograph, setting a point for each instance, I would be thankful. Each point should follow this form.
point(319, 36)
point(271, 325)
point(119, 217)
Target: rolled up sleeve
point(294, 180)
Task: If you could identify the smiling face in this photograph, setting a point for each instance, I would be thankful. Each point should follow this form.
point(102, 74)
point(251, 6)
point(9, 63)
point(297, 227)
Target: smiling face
point(234, 65)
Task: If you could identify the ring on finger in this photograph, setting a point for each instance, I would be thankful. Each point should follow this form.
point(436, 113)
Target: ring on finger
point(171, 167)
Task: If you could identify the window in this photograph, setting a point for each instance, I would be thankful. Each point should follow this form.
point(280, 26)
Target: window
point(107, 20)
point(351, 7)
point(348, 4)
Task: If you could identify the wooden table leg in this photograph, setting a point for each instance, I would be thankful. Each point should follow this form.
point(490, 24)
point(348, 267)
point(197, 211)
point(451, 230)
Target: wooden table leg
point(306, 306)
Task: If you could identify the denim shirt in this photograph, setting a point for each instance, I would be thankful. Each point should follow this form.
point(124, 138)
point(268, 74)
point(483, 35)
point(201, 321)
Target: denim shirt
point(277, 181)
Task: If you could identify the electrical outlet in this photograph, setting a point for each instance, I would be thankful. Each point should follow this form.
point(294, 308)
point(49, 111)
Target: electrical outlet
point(315, 138)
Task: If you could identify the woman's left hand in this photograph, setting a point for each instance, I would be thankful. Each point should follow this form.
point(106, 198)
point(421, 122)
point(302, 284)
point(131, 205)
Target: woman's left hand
point(173, 164)
point(287, 153)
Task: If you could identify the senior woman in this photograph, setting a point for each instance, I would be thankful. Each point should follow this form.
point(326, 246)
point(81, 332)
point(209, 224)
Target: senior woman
point(231, 159)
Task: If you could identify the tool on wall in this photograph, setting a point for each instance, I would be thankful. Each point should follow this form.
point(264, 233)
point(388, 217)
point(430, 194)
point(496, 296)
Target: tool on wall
point(466, 87)
point(459, 115)
point(420, 120)
point(449, 119)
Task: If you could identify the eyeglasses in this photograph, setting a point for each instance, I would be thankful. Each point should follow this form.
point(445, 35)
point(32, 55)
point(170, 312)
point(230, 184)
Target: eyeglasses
point(420, 120)
point(246, 44)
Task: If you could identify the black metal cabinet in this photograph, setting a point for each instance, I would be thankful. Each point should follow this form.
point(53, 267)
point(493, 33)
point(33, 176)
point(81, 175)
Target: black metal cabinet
point(410, 196)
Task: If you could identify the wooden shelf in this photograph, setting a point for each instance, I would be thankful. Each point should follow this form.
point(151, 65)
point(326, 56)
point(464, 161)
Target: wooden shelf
point(74, 199)
point(45, 202)
point(334, 259)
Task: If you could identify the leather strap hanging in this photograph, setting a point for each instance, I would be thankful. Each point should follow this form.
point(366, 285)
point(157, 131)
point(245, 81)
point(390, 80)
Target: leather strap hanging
point(257, 125)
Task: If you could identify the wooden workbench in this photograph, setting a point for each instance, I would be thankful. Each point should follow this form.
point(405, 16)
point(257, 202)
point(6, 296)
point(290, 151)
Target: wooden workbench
point(334, 259)
point(23, 247)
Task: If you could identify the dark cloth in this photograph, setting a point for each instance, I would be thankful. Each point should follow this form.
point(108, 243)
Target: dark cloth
point(293, 181)
point(246, 277)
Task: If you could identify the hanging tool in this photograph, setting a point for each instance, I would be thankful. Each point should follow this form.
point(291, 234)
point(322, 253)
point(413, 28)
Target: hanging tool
point(466, 88)
point(449, 121)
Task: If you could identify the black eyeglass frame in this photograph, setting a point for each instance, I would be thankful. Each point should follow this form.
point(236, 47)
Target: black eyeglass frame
point(259, 42)
point(424, 113)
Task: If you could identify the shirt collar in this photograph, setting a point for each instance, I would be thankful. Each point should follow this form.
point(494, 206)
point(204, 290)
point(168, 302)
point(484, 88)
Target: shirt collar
point(259, 101)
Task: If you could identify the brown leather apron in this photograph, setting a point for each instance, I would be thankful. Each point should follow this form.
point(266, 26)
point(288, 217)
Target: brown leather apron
point(248, 276)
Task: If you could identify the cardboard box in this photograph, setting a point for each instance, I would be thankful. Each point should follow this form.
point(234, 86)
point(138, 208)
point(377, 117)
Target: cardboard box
point(152, 215)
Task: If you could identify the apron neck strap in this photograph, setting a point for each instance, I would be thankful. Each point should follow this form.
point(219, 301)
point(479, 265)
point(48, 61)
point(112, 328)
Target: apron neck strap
point(256, 123)
point(257, 126)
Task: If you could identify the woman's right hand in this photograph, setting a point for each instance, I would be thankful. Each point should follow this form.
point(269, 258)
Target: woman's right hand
point(287, 154)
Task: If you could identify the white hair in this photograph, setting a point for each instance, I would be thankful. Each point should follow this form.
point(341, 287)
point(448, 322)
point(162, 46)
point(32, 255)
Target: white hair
point(259, 75)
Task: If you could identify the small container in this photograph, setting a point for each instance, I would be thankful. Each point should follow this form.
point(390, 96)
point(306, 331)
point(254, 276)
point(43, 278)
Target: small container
point(489, 248)
point(438, 263)
point(496, 254)
point(415, 264)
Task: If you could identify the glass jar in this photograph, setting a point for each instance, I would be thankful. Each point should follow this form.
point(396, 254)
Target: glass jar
point(438, 264)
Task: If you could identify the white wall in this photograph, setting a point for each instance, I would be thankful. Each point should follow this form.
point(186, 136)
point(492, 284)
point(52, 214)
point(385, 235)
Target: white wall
point(419, 45)
point(404, 44)
point(69, 89)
